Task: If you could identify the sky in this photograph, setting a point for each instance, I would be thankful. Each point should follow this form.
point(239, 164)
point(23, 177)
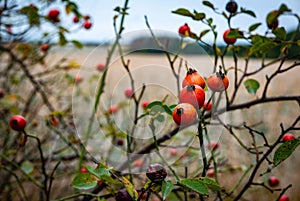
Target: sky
point(160, 16)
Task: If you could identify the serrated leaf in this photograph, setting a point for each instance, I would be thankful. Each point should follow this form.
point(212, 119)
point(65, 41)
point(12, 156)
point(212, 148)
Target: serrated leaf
point(77, 44)
point(252, 86)
point(27, 167)
point(208, 4)
point(84, 181)
point(195, 185)
point(167, 187)
point(211, 184)
point(254, 26)
point(183, 11)
point(280, 33)
point(285, 150)
point(248, 12)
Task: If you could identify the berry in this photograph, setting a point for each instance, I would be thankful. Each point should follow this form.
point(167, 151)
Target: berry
point(184, 30)
point(156, 172)
point(113, 109)
point(44, 47)
point(145, 104)
point(228, 40)
point(288, 137)
point(100, 67)
point(273, 181)
point(231, 6)
point(128, 93)
point(184, 114)
point(75, 19)
point(138, 163)
point(17, 123)
point(83, 170)
point(123, 195)
point(173, 152)
point(207, 105)
point(213, 145)
point(86, 17)
point(2, 93)
point(87, 24)
point(210, 173)
point(77, 79)
point(53, 15)
point(192, 94)
point(218, 82)
point(120, 142)
point(284, 198)
point(193, 77)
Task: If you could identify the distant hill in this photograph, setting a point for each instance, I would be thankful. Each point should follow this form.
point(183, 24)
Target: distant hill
point(145, 44)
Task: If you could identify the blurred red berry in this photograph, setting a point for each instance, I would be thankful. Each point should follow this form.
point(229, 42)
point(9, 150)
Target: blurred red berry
point(288, 137)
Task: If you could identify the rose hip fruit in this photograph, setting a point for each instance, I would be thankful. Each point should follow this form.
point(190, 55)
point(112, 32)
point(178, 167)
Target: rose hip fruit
point(184, 30)
point(288, 137)
point(156, 172)
point(17, 123)
point(184, 114)
point(193, 77)
point(231, 6)
point(192, 94)
point(228, 40)
point(273, 181)
point(218, 82)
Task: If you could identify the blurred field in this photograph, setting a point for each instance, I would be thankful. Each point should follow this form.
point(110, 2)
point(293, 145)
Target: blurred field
point(154, 71)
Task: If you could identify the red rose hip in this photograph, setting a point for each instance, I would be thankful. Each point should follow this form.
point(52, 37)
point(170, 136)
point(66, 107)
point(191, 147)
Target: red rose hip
point(184, 114)
point(273, 181)
point(17, 123)
point(192, 94)
point(288, 137)
point(184, 30)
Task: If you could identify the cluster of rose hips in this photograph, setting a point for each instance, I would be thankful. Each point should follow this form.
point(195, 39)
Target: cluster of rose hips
point(192, 95)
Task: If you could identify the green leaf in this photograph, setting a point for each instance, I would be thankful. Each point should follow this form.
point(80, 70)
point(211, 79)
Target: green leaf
point(84, 181)
point(195, 185)
point(211, 184)
point(130, 188)
point(198, 16)
point(167, 187)
point(234, 33)
point(280, 33)
point(261, 48)
point(62, 39)
point(248, 12)
point(203, 33)
point(252, 86)
point(27, 167)
point(298, 43)
point(77, 44)
point(272, 16)
point(254, 26)
point(167, 109)
point(208, 4)
point(154, 103)
point(283, 8)
point(184, 12)
point(98, 172)
point(160, 118)
point(284, 151)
